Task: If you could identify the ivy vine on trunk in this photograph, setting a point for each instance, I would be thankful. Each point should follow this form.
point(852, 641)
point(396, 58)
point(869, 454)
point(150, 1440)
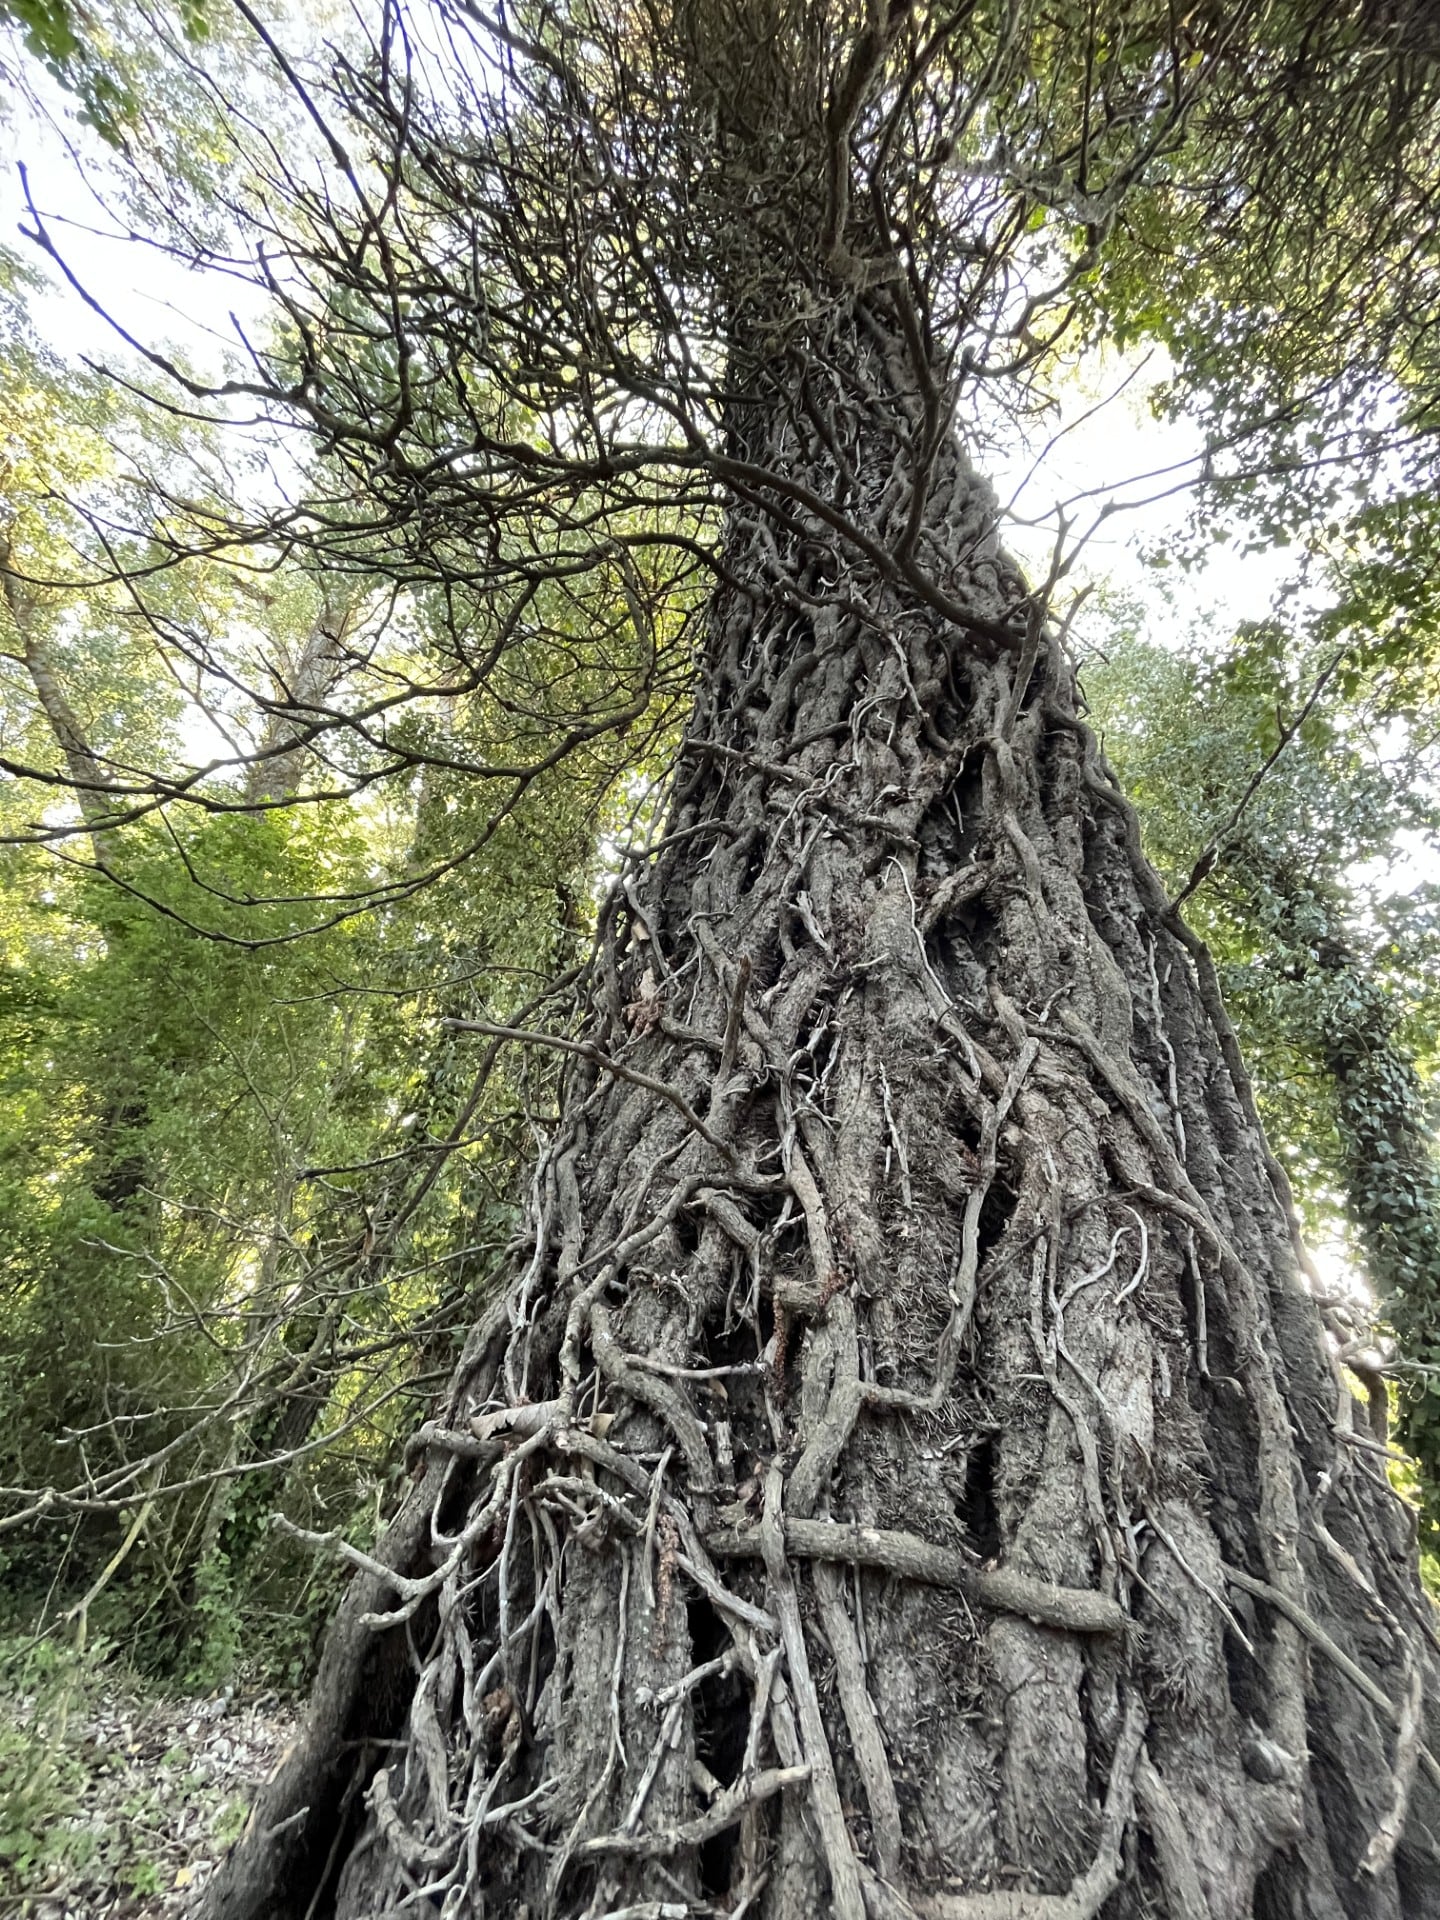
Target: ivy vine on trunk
point(905, 1473)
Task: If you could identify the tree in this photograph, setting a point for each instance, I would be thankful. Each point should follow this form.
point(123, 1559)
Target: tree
point(904, 1472)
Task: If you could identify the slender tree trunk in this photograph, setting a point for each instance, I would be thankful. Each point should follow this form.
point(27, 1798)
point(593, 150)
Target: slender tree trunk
point(906, 1475)
point(119, 1174)
point(89, 778)
point(301, 689)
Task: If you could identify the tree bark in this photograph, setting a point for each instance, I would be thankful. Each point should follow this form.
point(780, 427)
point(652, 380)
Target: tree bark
point(906, 1474)
point(89, 779)
point(301, 688)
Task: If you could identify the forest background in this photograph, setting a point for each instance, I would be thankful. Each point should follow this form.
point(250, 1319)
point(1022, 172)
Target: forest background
point(271, 838)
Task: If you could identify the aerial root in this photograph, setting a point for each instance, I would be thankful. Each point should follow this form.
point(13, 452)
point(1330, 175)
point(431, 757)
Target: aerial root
point(847, 1899)
point(729, 1808)
point(1197, 1580)
point(1386, 1836)
point(1171, 1840)
point(866, 1736)
point(1396, 1717)
point(1088, 1892)
point(419, 1856)
point(1004, 1589)
point(1279, 1513)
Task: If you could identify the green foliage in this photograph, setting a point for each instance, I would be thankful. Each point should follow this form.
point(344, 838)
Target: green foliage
point(42, 1779)
point(1330, 969)
point(162, 1093)
point(224, 1071)
point(66, 44)
point(217, 1637)
point(1393, 1188)
point(1304, 339)
point(88, 1793)
point(223, 1066)
point(98, 55)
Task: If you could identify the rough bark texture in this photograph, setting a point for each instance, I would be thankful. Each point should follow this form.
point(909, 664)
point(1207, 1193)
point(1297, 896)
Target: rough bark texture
point(907, 1475)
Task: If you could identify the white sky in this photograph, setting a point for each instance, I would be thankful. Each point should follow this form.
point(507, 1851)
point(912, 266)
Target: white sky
point(1118, 473)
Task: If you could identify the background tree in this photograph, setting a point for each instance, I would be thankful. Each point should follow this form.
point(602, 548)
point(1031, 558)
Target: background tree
point(1287, 781)
point(232, 1134)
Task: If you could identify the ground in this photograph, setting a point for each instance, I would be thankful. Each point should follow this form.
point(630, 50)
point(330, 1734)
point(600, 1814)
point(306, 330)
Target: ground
point(115, 1804)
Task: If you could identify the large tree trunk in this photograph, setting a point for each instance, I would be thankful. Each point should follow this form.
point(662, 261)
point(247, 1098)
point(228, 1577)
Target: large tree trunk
point(906, 1474)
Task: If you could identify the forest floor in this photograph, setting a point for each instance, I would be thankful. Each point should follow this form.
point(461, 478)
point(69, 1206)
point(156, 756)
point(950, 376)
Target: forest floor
point(116, 1804)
